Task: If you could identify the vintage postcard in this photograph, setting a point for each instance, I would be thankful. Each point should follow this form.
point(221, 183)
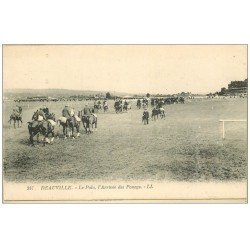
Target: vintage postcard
point(125, 123)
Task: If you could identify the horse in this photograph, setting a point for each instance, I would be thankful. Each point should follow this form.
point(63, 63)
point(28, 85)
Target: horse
point(74, 122)
point(125, 106)
point(181, 100)
point(68, 125)
point(44, 127)
point(118, 107)
point(154, 114)
point(89, 121)
point(16, 118)
point(50, 117)
point(105, 107)
point(161, 112)
point(98, 107)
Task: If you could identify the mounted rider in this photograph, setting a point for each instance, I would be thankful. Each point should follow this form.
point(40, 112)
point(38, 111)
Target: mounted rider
point(86, 110)
point(18, 109)
point(39, 115)
point(66, 113)
point(105, 103)
point(38, 119)
point(15, 112)
point(45, 109)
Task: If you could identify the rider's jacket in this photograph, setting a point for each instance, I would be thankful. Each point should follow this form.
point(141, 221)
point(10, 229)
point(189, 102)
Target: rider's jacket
point(86, 111)
point(66, 112)
point(146, 114)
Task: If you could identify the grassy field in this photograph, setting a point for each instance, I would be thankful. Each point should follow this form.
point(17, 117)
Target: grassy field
point(186, 146)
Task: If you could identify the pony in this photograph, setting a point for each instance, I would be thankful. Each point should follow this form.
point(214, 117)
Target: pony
point(89, 121)
point(118, 106)
point(44, 127)
point(161, 112)
point(16, 118)
point(98, 107)
point(69, 124)
point(181, 100)
point(105, 107)
point(155, 113)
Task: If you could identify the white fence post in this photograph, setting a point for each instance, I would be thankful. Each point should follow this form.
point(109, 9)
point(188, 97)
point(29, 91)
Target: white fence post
point(223, 125)
point(223, 129)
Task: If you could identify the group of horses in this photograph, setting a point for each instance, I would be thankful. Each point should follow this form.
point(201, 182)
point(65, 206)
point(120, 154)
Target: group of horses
point(121, 106)
point(98, 106)
point(46, 127)
point(142, 103)
point(167, 100)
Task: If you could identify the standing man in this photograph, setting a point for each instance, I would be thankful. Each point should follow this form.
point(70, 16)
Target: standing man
point(145, 116)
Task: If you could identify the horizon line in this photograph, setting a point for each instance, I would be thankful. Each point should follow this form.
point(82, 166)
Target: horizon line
point(111, 91)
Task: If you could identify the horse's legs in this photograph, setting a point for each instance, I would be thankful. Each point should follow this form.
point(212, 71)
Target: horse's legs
point(32, 135)
point(72, 130)
point(53, 136)
point(84, 127)
point(69, 132)
point(88, 127)
point(78, 130)
point(65, 131)
point(31, 139)
point(46, 138)
point(96, 123)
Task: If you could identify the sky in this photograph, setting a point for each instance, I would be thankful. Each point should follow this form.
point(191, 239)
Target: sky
point(164, 69)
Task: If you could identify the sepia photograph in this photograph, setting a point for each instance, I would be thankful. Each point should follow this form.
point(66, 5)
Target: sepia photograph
point(125, 123)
